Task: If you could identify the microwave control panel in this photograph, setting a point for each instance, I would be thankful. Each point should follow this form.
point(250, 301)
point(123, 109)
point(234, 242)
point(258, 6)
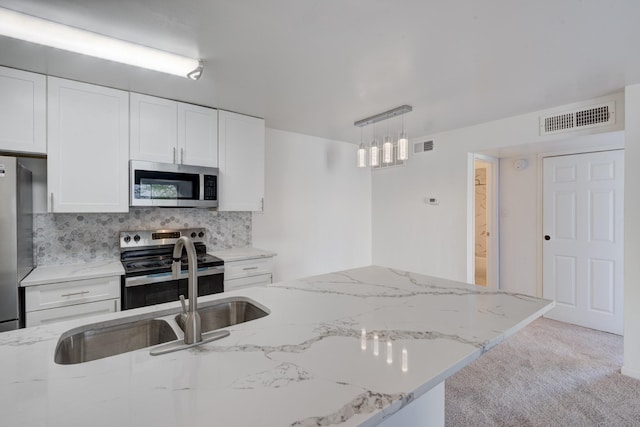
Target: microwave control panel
point(210, 187)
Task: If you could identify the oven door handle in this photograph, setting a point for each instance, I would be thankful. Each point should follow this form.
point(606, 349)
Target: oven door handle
point(167, 276)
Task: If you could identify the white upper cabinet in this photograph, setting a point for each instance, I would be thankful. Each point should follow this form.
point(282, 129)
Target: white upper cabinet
point(88, 156)
point(23, 117)
point(167, 131)
point(154, 131)
point(197, 135)
point(241, 162)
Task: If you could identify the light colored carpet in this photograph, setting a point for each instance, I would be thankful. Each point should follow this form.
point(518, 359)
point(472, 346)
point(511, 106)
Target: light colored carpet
point(548, 374)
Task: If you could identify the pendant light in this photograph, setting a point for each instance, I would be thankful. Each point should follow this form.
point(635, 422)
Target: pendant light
point(393, 153)
point(374, 154)
point(362, 153)
point(403, 143)
point(387, 150)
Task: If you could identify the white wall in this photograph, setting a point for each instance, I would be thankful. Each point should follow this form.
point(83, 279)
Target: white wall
point(518, 225)
point(317, 212)
point(631, 365)
point(410, 235)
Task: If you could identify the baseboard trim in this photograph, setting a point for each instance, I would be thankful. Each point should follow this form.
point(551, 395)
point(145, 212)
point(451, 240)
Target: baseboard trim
point(630, 373)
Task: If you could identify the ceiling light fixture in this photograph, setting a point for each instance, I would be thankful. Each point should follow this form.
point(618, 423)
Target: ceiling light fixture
point(40, 31)
point(362, 153)
point(393, 153)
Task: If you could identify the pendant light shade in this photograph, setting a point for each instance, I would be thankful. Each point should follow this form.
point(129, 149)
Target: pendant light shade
point(374, 154)
point(362, 156)
point(387, 150)
point(403, 146)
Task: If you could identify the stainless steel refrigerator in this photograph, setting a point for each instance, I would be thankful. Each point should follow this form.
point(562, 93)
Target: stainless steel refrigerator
point(16, 238)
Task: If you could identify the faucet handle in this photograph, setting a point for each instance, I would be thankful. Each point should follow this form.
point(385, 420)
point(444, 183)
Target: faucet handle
point(184, 305)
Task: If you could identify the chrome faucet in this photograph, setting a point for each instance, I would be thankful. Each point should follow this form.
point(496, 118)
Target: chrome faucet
point(192, 330)
point(190, 317)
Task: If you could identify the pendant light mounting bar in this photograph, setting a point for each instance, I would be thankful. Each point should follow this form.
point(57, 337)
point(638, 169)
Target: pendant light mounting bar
point(384, 116)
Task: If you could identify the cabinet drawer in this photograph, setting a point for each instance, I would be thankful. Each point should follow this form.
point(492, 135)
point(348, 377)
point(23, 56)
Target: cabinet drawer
point(61, 294)
point(247, 282)
point(59, 314)
point(246, 268)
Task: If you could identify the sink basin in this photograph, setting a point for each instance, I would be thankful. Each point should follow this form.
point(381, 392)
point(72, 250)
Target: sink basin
point(94, 342)
point(226, 313)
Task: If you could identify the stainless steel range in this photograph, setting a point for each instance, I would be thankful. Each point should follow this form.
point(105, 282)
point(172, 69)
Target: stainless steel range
point(147, 257)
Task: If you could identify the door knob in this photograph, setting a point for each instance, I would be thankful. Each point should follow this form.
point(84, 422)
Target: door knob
point(547, 237)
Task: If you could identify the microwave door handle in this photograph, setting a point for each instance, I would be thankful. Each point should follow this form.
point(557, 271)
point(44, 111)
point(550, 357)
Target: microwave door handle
point(174, 154)
point(182, 156)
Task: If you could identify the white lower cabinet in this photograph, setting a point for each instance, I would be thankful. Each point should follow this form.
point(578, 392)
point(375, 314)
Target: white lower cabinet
point(247, 273)
point(247, 282)
point(59, 314)
point(73, 299)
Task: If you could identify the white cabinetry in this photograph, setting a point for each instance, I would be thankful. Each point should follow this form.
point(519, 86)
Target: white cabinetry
point(197, 135)
point(22, 111)
point(154, 130)
point(167, 131)
point(73, 299)
point(247, 273)
point(87, 163)
point(241, 162)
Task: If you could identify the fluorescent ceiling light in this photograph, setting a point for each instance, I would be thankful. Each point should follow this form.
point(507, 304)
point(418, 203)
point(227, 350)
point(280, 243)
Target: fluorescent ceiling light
point(35, 30)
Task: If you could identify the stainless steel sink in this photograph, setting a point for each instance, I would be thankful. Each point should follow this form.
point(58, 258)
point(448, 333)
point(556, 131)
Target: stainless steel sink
point(221, 314)
point(94, 342)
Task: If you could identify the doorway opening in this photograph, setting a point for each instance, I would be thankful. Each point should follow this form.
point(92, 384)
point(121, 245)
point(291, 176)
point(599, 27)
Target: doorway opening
point(483, 221)
point(481, 214)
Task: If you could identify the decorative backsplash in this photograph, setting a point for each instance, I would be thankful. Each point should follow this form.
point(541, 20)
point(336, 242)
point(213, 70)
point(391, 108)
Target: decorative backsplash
point(74, 238)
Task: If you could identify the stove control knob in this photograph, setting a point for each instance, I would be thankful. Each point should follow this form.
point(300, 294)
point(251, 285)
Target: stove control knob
point(136, 238)
point(201, 234)
point(193, 235)
point(127, 238)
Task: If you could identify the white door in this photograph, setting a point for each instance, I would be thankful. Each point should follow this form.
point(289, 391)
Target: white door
point(154, 130)
point(88, 147)
point(241, 144)
point(197, 135)
point(583, 247)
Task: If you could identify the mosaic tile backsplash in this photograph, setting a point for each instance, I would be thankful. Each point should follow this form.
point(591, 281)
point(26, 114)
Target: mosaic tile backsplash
point(74, 238)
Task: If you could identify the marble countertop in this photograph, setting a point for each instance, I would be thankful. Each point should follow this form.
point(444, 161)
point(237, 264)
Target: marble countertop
point(239, 254)
point(305, 364)
point(66, 272)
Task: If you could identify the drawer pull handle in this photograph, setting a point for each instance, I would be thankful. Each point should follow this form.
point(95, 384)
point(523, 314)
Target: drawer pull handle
point(75, 293)
point(250, 268)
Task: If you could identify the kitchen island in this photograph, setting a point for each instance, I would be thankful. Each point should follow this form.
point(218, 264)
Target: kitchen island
point(365, 346)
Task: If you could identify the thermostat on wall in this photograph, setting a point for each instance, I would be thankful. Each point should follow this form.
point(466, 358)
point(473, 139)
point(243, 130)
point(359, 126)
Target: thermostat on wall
point(431, 201)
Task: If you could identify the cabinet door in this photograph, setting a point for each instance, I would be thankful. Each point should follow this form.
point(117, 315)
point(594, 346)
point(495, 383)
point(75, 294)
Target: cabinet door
point(22, 111)
point(247, 282)
point(42, 297)
point(154, 131)
point(241, 162)
point(87, 164)
point(78, 311)
point(197, 135)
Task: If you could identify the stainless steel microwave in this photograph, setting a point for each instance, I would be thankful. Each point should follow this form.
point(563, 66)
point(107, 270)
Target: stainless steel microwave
point(171, 185)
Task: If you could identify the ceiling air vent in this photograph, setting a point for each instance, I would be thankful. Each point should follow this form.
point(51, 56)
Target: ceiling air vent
point(583, 118)
point(421, 147)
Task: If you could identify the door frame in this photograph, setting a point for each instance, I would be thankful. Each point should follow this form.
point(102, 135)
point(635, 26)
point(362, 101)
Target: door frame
point(540, 203)
point(493, 247)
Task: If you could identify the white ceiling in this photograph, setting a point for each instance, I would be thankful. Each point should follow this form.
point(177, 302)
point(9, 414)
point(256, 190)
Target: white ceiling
point(316, 66)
